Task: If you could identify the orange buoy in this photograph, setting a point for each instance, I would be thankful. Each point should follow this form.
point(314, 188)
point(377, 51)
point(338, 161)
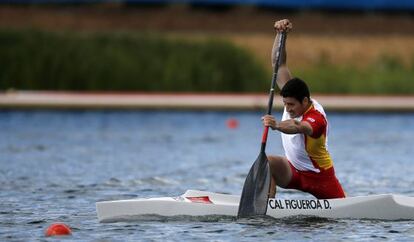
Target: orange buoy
point(232, 123)
point(58, 229)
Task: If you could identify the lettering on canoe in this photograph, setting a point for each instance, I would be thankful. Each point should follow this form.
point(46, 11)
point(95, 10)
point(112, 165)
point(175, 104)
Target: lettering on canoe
point(299, 204)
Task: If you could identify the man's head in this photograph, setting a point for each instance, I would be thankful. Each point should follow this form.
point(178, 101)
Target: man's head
point(296, 97)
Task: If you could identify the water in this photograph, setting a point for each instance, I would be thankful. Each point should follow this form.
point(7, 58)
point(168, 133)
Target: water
point(54, 166)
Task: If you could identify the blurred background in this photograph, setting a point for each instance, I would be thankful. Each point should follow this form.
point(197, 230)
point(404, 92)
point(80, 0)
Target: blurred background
point(205, 46)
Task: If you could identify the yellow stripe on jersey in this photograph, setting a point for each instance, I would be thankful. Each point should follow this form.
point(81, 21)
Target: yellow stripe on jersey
point(317, 151)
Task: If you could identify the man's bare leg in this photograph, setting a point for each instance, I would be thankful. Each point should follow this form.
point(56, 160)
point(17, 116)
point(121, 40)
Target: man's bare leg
point(281, 173)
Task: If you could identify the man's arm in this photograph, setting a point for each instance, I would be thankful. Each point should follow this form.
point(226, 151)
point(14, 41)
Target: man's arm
point(283, 74)
point(290, 126)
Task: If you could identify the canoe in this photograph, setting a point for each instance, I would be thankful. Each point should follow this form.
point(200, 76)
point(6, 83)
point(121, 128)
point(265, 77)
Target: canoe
point(202, 203)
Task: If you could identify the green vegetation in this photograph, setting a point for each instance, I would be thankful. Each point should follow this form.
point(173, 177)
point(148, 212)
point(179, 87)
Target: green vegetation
point(125, 61)
point(36, 60)
point(386, 76)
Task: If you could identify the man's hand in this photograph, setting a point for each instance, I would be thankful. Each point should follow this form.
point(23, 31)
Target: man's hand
point(283, 26)
point(269, 121)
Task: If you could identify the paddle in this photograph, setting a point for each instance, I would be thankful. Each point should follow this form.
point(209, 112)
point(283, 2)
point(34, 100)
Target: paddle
point(253, 200)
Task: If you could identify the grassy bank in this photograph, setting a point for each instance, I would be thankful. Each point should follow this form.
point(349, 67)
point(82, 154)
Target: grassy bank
point(388, 75)
point(31, 59)
point(125, 62)
point(348, 64)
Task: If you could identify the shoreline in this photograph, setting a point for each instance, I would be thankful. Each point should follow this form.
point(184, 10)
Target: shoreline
point(192, 101)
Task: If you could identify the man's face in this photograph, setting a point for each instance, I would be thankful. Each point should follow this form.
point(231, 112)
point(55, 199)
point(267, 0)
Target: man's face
point(294, 107)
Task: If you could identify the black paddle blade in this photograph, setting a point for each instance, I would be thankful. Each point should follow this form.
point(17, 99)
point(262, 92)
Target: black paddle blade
point(253, 200)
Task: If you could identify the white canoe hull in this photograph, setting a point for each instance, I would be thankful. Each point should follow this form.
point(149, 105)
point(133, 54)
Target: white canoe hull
point(200, 203)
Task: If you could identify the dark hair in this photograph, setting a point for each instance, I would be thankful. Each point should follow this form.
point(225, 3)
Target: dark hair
point(295, 88)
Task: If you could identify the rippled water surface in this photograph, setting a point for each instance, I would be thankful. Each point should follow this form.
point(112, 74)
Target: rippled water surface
point(55, 165)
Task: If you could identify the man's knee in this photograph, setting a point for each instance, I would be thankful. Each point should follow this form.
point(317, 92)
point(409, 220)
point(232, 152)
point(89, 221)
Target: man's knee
point(276, 161)
point(280, 169)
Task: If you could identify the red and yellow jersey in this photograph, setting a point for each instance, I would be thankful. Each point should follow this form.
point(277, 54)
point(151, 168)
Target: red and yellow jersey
point(309, 153)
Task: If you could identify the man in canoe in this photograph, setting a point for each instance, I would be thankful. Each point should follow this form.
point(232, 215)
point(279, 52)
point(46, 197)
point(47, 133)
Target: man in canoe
point(307, 165)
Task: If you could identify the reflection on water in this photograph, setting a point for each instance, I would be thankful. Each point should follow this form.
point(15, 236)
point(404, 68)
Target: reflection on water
point(54, 166)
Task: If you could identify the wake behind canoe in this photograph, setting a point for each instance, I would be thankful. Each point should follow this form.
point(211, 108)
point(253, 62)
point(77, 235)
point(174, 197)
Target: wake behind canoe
point(201, 203)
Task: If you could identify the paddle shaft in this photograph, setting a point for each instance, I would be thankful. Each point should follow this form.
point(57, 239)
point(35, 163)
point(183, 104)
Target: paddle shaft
point(255, 193)
point(280, 47)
